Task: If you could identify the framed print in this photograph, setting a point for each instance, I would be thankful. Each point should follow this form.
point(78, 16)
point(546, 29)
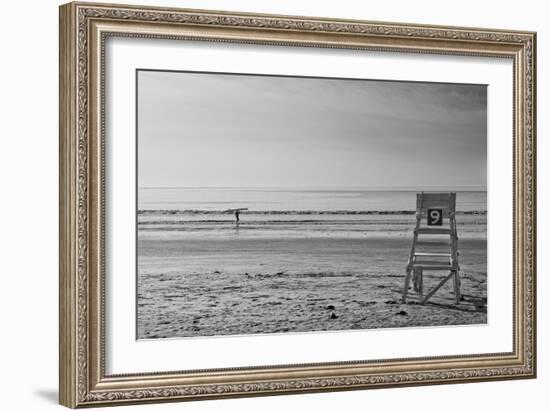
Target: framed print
point(259, 204)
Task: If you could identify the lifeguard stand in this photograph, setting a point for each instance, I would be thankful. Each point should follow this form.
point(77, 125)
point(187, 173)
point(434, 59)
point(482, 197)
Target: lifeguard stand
point(434, 209)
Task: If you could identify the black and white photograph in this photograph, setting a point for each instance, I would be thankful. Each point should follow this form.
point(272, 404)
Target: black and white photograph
point(287, 204)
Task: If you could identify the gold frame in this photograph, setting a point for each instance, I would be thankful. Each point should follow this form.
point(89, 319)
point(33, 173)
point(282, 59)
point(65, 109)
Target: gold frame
point(83, 30)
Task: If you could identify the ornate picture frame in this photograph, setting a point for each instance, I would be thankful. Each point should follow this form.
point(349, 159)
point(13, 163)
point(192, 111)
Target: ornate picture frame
point(84, 29)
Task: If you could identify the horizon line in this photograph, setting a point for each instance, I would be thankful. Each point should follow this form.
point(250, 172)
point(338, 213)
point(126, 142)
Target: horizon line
point(370, 188)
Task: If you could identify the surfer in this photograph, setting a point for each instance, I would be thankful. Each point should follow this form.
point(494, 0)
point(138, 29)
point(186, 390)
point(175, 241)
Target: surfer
point(237, 212)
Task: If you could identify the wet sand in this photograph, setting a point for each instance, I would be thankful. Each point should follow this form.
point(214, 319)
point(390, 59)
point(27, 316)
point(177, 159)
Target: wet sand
point(241, 285)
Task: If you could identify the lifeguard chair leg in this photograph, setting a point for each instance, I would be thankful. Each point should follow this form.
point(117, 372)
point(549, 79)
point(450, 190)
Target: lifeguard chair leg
point(407, 283)
point(457, 287)
point(418, 279)
point(411, 257)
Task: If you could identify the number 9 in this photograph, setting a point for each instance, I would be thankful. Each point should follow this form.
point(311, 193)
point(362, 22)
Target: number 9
point(435, 216)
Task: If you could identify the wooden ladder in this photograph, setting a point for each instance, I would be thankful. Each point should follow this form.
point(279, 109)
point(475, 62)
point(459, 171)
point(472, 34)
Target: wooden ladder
point(435, 209)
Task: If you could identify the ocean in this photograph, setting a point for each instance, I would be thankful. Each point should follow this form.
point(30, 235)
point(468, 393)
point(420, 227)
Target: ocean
point(292, 213)
point(293, 199)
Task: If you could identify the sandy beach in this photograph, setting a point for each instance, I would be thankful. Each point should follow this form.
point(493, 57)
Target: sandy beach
point(206, 277)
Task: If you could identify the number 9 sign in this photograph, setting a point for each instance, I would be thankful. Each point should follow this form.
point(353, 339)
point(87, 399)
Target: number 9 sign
point(435, 216)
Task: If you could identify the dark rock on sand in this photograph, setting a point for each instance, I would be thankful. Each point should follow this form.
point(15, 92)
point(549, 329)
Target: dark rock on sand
point(333, 316)
point(402, 313)
point(330, 307)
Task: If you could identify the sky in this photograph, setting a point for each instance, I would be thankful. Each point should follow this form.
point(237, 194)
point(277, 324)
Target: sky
point(223, 130)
